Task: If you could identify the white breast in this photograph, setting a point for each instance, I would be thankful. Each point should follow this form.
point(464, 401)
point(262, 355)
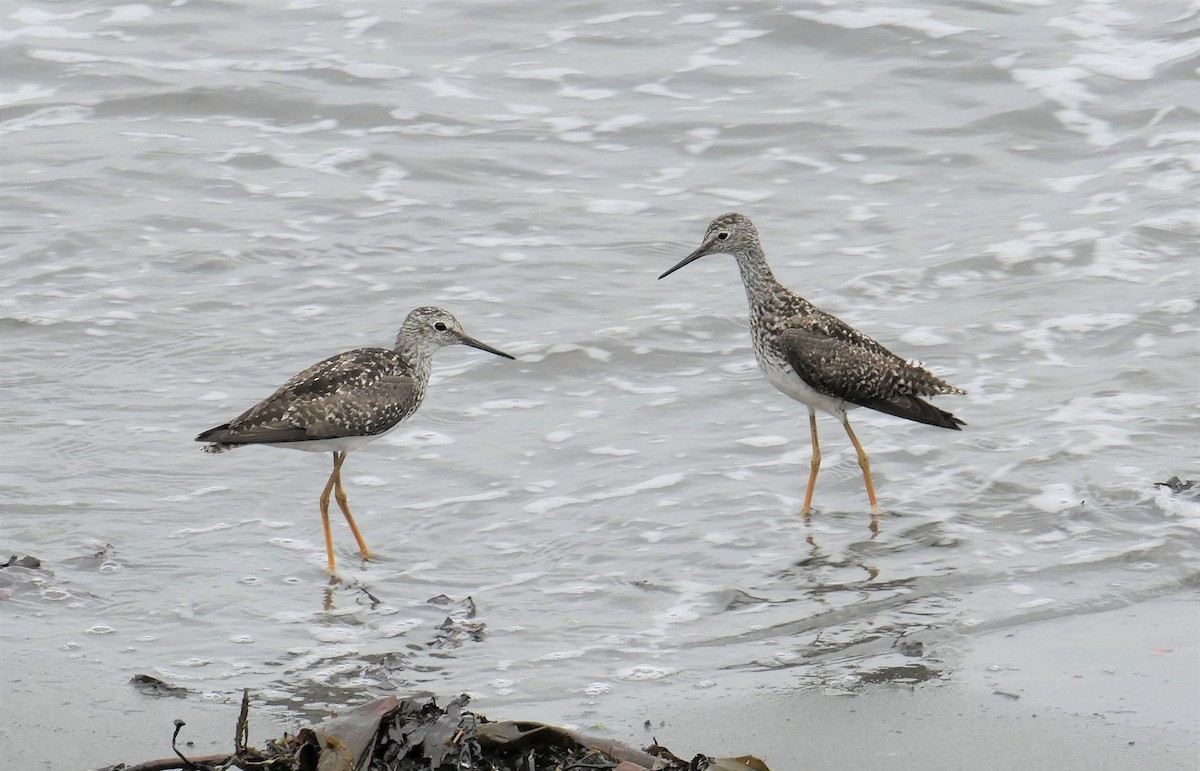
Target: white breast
point(786, 380)
point(340, 444)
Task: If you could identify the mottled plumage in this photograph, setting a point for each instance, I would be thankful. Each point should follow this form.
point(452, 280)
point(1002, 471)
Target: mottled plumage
point(361, 393)
point(838, 361)
point(817, 358)
point(346, 401)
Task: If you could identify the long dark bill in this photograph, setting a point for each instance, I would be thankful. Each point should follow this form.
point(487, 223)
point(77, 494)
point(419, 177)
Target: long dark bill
point(703, 250)
point(468, 340)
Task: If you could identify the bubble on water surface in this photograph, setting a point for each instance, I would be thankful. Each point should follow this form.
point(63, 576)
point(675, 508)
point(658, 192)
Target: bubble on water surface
point(597, 689)
point(193, 661)
point(644, 672)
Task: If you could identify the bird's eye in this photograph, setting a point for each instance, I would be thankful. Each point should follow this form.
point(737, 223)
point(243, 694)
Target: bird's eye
point(440, 326)
point(722, 235)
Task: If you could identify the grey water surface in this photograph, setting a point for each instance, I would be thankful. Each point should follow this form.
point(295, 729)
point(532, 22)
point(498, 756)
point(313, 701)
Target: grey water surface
point(201, 198)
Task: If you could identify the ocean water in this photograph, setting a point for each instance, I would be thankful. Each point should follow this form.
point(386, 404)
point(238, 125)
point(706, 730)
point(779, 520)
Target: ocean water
point(202, 198)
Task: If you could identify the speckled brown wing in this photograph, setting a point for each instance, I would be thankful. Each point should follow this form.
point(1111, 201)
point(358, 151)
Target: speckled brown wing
point(838, 360)
point(357, 393)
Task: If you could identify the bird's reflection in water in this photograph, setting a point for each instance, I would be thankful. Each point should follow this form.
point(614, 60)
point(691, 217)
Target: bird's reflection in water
point(817, 558)
point(333, 584)
point(358, 591)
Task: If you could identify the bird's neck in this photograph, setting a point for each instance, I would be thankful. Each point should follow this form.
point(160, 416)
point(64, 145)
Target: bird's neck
point(763, 291)
point(417, 357)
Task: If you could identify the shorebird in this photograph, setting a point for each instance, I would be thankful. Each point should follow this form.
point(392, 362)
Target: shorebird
point(818, 359)
point(346, 401)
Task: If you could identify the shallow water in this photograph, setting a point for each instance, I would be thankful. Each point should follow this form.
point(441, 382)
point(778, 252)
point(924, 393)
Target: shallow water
point(203, 198)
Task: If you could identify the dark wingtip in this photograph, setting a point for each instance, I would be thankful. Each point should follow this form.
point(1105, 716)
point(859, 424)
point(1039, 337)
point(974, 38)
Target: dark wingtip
point(917, 410)
point(941, 419)
point(211, 435)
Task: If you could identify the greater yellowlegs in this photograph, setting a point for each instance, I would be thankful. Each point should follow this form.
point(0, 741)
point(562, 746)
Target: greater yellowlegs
point(818, 359)
point(346, 401)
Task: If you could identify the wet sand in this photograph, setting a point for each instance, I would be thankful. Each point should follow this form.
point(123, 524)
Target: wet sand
point(77, 717)
point(1113, 690)
point(1118, 689)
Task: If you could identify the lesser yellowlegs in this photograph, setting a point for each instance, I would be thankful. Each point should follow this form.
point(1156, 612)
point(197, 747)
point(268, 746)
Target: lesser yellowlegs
point(346, 401)
point(818, 359)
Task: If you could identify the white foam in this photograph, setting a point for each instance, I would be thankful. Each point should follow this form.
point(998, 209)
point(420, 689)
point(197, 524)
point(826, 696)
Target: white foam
point(644, 672)
point(705, 138)
point(923, 337)
point(738, 35)
point(1080, 323)
point(552, 74)
point(612, 18)
point(511, 404)
point(136, 12)
point(740, 196)
point(1056, 497)
point(356, 26)
point(372, 71)
point(486, 495)
point(597, 689)
point(1069, 184)
point(562, 655)
point(442, 88)
point(1177, 306)
point(615, 206)
point(908, 18)
point(24, 92)
point(587, 94)
point(401, 627)
point(658, 89)
point(763, 441)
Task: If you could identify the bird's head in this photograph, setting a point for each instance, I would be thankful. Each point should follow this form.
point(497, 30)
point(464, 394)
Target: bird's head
point(731, 233)
point(436, 328)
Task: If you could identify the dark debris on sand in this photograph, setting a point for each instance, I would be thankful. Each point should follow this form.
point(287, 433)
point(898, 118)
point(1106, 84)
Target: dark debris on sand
point(1177, 485)
point(417, 735)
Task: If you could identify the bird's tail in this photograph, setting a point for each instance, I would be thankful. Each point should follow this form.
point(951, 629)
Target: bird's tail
point(214, 436)
point(919, 410)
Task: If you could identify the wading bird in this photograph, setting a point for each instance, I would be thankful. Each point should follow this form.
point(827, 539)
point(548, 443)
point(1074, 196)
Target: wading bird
point(818, 359)
point(346, 401)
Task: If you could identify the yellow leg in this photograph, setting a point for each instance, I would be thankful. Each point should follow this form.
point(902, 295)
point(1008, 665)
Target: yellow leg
point(344, 504)
point(816, 464)
point(866, 467)
point(325, 515)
